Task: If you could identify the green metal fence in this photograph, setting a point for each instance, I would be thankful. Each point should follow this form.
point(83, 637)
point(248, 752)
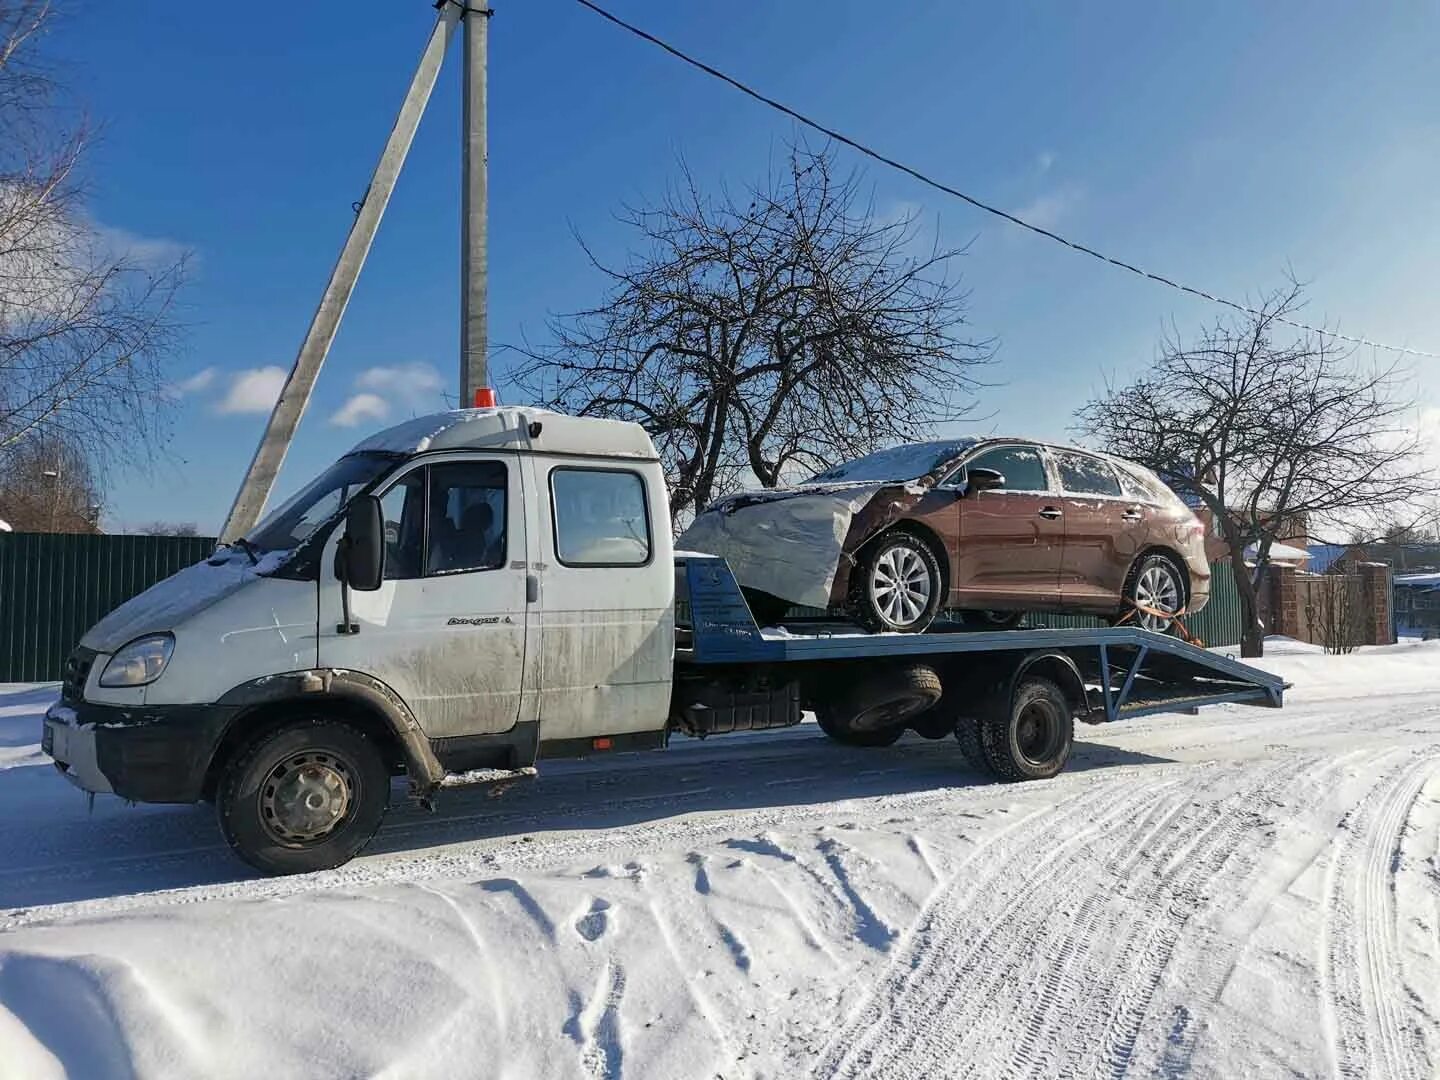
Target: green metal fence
point(55, 587)
point(1219, 624)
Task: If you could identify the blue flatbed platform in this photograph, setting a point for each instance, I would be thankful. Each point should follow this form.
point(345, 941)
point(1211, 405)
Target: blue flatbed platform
point(1133, 672)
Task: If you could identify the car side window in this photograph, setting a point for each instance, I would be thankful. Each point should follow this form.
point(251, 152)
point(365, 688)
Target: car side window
point(467, 520)
point(1022, 467)
point(1081, 474)
point(600, 517)
point(402, 509)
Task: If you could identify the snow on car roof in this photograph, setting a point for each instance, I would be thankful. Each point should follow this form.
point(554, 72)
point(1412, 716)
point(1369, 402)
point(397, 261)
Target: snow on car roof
point(909, 461)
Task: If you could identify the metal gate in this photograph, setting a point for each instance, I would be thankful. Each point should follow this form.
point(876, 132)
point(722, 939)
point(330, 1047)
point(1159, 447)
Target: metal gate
point(54, 587)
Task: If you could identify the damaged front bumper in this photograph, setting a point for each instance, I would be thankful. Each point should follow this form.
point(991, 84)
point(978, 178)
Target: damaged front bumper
point(156, 754)
point(73, 749)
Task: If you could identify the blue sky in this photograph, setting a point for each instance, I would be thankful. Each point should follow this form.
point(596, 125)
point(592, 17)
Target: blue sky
point(1217, 143)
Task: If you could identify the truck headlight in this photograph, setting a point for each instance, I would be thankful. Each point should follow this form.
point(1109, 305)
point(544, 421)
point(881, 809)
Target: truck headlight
point(140, 662)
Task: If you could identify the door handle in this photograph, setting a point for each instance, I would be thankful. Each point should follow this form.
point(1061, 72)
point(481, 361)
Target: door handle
point(1051, 512)
point(532, 588)
point(1133, 514)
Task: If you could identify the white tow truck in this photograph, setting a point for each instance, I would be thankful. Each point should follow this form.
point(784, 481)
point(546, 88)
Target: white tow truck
point(468, 593)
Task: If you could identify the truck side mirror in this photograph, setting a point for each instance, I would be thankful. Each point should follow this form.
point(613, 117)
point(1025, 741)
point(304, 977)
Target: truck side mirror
point(983, 480)
point(362, 548)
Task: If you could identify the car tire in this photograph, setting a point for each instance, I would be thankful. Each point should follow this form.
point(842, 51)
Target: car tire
point(767, 608)
point(307, 796)
point(1153, 579)
point(1028, 733)
point(992, 620)
point(875, 710)
point(898, 586)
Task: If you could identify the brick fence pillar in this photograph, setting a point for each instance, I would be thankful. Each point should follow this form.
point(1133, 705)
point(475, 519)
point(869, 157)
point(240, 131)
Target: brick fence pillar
point(1375, 593)
point(1284, 601)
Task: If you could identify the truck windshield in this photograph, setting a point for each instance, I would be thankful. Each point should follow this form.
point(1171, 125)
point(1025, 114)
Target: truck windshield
point(319, 501)
point(908, 462)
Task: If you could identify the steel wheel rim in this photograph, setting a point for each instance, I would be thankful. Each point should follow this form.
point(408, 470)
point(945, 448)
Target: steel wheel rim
point(306, 796)
point(900, 585)
point(1037, 732)
point(1157, 588)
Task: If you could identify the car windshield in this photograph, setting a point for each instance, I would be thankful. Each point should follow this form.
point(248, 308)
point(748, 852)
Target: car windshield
point(319, 501)
point(908, 462)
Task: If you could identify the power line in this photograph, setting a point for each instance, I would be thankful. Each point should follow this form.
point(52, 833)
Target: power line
point(977, 203)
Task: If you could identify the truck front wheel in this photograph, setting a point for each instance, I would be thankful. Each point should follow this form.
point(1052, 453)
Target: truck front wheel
point(307, 796)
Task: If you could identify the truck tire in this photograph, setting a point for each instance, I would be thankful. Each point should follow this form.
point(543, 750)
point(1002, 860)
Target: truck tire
point(1027, 734)
point(967, 734)
point(898, 587)
point(992, 620)
point(874, 710)
point(306, 796)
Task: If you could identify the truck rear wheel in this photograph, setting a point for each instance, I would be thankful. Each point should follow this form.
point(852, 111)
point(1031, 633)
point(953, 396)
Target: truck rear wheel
point(307, 796)
point(1027, 734)
point(967, 734)
point(874, 710)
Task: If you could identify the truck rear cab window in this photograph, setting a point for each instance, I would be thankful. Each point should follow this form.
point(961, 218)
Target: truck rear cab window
point(453, 514)
point(601, 517)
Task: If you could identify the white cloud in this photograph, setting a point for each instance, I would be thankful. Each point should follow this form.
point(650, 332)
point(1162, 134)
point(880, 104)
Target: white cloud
point(253, 390)
point(360, 408)
point(412, 383)
point(1049, 209)
point(201, 380)
point(152, 252)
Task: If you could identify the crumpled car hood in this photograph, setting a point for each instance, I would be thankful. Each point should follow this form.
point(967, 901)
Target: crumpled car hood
point(787, 542)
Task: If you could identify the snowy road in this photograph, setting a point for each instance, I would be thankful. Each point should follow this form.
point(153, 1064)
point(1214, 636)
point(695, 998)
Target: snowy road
point(1244, 892)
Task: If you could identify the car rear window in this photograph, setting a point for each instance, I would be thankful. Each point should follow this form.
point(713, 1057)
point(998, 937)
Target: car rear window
point(1081, 474)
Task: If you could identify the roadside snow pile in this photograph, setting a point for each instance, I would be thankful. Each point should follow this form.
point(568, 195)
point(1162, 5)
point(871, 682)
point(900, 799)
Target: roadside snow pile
point(1246, 892)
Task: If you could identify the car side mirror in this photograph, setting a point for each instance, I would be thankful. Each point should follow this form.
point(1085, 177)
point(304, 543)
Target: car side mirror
point(362, 548)
point(983, 480)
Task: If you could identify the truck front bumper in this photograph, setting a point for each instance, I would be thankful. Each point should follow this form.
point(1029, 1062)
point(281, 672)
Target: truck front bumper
point(152, 754)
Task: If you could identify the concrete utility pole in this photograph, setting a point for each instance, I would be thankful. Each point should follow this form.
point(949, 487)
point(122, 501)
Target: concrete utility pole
point(270, 455)
point(474, 271)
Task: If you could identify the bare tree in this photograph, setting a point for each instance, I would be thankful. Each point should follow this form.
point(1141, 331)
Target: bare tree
point(169, 528)
point(1269, 427)
point(84, 325)
point(46, 485)
point(773, 333)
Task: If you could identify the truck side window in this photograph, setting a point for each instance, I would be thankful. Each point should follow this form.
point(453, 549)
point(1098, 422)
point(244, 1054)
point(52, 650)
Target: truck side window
point(601, 517)
point(403, 510)
point(467, 517)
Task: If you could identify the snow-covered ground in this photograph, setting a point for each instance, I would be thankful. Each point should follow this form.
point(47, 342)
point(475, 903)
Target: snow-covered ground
point(1239, 893)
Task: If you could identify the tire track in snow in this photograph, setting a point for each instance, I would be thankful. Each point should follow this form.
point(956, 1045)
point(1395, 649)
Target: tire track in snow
point(936, 971)
point(1360, 966)
point(950, 1000)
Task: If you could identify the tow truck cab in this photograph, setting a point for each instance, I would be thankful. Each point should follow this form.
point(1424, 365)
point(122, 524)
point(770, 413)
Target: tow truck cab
point(523, 600)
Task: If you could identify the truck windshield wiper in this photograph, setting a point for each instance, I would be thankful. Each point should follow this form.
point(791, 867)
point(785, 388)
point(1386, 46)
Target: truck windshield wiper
point(247, 547)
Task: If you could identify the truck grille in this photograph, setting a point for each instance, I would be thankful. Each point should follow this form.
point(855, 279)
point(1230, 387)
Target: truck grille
point(77, 671)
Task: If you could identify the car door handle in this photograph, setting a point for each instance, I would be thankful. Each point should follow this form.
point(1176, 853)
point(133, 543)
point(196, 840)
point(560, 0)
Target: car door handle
point(1133, 514)
point(532, 588)
point(1051, 512)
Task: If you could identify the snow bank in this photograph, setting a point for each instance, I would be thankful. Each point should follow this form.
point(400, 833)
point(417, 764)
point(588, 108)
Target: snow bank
point(1246, 892)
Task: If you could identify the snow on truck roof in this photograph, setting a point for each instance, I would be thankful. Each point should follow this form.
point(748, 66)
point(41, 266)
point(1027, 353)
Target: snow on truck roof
point(508, 427)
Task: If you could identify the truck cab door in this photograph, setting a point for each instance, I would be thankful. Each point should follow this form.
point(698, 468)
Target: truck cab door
point(446, 630)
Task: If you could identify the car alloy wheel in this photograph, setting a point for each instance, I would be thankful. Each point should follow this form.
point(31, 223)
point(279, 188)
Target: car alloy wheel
point(1158, 588)
point(900, 586)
